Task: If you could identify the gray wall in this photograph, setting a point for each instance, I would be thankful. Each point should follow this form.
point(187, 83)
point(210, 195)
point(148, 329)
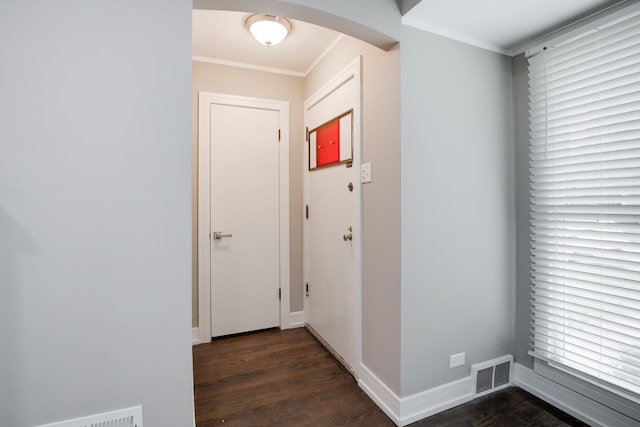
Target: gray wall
point(95, 201)
point(244, 82)
point(457, 208)
point(380, 199)
point(95, 258)
point(523, 284)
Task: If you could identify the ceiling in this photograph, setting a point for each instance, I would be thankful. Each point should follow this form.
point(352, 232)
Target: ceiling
point(498, 25)
point(221, 37)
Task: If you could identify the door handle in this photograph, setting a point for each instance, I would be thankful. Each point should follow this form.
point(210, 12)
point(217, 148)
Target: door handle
point(218, 235)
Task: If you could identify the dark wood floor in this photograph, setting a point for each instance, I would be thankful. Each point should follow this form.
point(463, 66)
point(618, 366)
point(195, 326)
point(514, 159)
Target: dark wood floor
point(505, 408)
point(286, 378)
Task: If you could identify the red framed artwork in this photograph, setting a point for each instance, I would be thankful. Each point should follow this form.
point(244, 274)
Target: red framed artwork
point(331, 143)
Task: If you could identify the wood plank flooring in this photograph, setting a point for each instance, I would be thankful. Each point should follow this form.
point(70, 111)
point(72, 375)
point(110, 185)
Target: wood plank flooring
point(286, 378)
point(282, 378)
point(505, 408)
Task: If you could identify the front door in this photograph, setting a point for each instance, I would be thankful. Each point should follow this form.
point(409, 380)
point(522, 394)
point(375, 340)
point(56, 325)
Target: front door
point(245, 203)
point(333, 238)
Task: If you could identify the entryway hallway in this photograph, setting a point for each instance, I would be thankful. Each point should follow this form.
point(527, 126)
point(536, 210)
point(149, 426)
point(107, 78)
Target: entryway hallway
point(283, 378)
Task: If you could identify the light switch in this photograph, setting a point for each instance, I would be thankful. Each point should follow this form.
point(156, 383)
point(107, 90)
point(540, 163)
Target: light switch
point(365, 172)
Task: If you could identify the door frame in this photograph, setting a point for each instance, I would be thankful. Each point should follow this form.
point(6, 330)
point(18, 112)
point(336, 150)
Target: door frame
point(353, 71)
point(205, 99)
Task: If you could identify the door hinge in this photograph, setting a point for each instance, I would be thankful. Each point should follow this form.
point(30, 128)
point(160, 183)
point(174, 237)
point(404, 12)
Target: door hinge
point(280, 293)
point(307, 289)
point(307, 134)
point(278, 134)
point(306, 211)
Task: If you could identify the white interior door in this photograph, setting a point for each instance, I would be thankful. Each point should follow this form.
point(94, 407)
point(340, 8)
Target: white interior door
point(333, 238)
point(245, 268)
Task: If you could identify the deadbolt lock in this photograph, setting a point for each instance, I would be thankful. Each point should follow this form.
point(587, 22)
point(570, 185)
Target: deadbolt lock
point(348, 236)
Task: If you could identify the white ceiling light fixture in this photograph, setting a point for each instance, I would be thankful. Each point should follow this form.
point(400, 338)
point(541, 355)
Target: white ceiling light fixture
point(268, 29)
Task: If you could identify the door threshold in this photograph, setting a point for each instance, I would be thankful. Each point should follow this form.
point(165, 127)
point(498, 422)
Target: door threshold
point(239, 334)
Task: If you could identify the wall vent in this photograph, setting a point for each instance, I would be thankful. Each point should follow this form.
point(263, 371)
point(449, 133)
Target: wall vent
point(492, 375)
point(130, 417)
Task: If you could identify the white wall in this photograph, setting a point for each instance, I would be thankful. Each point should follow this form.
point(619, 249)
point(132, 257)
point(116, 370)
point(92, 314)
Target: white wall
point(95, 152)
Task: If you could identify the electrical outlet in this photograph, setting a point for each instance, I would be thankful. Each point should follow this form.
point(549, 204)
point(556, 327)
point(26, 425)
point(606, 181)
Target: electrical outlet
point(456, 360)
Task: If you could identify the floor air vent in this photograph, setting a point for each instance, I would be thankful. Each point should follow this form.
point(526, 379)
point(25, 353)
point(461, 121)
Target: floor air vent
point(130, 417)
point(492, 375)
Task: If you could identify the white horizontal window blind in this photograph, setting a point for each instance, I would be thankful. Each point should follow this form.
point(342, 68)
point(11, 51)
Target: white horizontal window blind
point(584, 115)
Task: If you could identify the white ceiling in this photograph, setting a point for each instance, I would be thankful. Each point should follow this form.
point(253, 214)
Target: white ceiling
point(498, 25)
point(221, 37)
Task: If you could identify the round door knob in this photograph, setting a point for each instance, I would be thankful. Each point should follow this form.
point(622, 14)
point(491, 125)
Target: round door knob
point(347, 237)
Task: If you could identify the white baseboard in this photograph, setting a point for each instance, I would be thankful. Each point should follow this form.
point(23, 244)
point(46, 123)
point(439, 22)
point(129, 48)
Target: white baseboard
point(406, 410)
point(382, 395)
point(581, 407)
point(432, 401)
point(296, 319)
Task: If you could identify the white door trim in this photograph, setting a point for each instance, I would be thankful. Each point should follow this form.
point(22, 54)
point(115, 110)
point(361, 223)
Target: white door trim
point(205, 99)
point(351, 72)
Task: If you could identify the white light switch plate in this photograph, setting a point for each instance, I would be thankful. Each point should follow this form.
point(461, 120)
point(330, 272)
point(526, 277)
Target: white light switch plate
point(365, 173)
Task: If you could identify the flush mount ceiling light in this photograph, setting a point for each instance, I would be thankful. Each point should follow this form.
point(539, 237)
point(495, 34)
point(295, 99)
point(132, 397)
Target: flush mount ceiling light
point(268, 29)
